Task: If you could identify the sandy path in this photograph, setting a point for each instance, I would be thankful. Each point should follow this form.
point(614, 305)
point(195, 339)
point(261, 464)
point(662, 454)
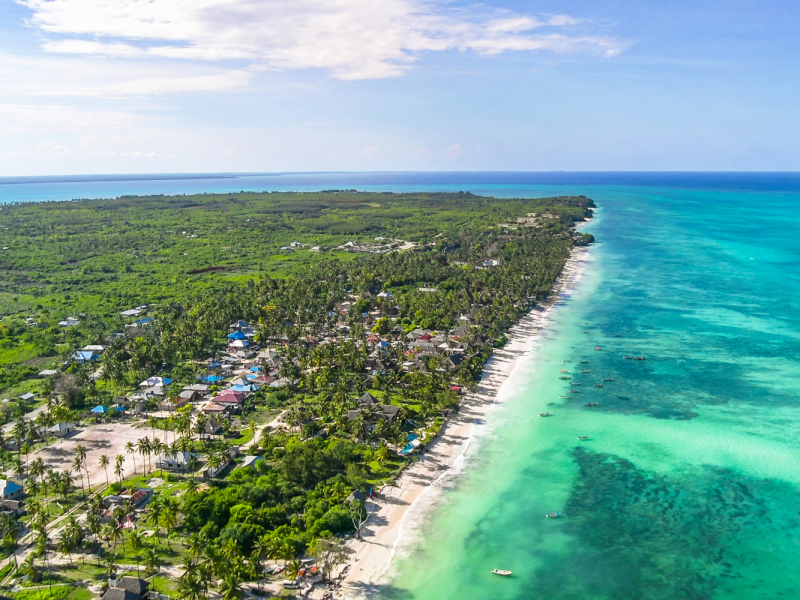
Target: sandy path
point(394, 508)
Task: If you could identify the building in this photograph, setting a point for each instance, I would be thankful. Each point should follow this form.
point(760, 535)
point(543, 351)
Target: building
point(175, 462)
point(126, 588)
point(10, 490)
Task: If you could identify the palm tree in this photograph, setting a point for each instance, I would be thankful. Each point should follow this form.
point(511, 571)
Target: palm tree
point(168, 519)
point(80, 452)
point(143, 445)
point(152, 564)
point(136, 542)
point(104, 463)
point(76, 466)
point(129, 449)
point(118, 469)
point(231, 587)
point(190, 585)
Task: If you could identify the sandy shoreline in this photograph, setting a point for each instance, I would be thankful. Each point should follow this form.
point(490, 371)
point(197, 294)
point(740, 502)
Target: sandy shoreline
point(397, 510)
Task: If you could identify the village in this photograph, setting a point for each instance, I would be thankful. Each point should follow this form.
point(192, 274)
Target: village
point(230, 444)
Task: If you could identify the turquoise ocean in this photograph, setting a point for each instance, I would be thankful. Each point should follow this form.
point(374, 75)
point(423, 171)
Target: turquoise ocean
point(688, 486)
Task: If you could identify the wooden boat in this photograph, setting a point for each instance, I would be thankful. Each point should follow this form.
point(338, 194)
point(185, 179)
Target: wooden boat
point(627, 358)
point(553, 515)
point(565, 360)
point(598, 385)
point(501, 572)
point(585, 371)
point(562, 396)
point(565, 377)
point(584, 362)
point(597, 347)
point(608, 379)
point(591, 404)
point(546, 414)
point(623, 398)
point(583, 437)
point(564, 371)
point(639, 358)
point(574, 391)
point(575, 383)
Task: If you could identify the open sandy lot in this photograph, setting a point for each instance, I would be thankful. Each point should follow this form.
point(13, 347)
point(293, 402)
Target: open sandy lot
point(108, 439)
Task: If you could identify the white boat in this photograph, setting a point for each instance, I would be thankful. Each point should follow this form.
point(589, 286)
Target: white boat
point(501, 572)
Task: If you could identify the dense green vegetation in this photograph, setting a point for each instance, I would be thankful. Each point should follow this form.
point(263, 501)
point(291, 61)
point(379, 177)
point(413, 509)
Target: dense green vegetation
point(338, 322)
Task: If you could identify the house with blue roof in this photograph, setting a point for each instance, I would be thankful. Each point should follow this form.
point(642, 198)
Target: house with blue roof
point(10, 490)
point(84, 356)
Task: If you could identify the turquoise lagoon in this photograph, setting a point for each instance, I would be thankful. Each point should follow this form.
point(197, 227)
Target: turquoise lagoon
point(690, 487)
point(687, 489)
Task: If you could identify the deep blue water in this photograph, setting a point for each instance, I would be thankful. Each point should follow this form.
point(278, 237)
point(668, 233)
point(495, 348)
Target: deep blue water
point(34, 189)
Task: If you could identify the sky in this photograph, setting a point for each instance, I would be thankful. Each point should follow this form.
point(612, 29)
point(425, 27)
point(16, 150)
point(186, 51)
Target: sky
point(183, 86)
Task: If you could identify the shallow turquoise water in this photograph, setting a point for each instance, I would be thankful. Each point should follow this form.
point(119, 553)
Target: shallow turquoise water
point(688, 489)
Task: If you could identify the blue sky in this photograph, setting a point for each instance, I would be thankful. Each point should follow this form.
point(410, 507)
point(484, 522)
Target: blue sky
point(140, 86)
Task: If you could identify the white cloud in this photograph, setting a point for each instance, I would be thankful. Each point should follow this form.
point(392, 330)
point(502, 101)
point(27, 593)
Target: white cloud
point(453, 151)
point(353, 39)
point(55, 77)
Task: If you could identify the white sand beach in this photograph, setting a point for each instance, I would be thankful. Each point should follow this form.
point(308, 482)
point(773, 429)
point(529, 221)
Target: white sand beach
point(396, 511)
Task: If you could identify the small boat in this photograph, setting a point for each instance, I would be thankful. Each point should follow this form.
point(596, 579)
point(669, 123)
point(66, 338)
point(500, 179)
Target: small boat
point(547, 414)
point(501, 572)
point(591, 404)
point(627, 358)
point(585, 371)
point(565, 360)
point(565, 377)
point(564, 371)
point(597, 347)
point(583, 437)
point(623, 398)
point(617, 335)
point(553, 515)
point(598, 385)
point(584, 362)
point(608, 379)
point(574, 391)
point(639, 358)
point(562, 396)
point(575, 383)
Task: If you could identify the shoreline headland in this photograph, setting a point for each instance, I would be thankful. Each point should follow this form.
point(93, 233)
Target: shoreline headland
point(397, 511)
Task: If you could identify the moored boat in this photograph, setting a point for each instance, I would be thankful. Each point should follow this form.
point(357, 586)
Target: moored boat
point(583, 437)
point(553, 515)
point(591, 404)
point(608, 379)
point(598, 385)
point(501, 572)
point(623, 398)
point(562, 396)
point(545, 414)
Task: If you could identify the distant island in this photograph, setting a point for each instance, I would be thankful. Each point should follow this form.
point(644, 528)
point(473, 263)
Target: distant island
point(215, 384)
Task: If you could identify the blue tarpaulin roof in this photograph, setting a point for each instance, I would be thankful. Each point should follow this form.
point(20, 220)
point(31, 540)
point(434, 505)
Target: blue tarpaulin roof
point(100, 409)
point(237, 335)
